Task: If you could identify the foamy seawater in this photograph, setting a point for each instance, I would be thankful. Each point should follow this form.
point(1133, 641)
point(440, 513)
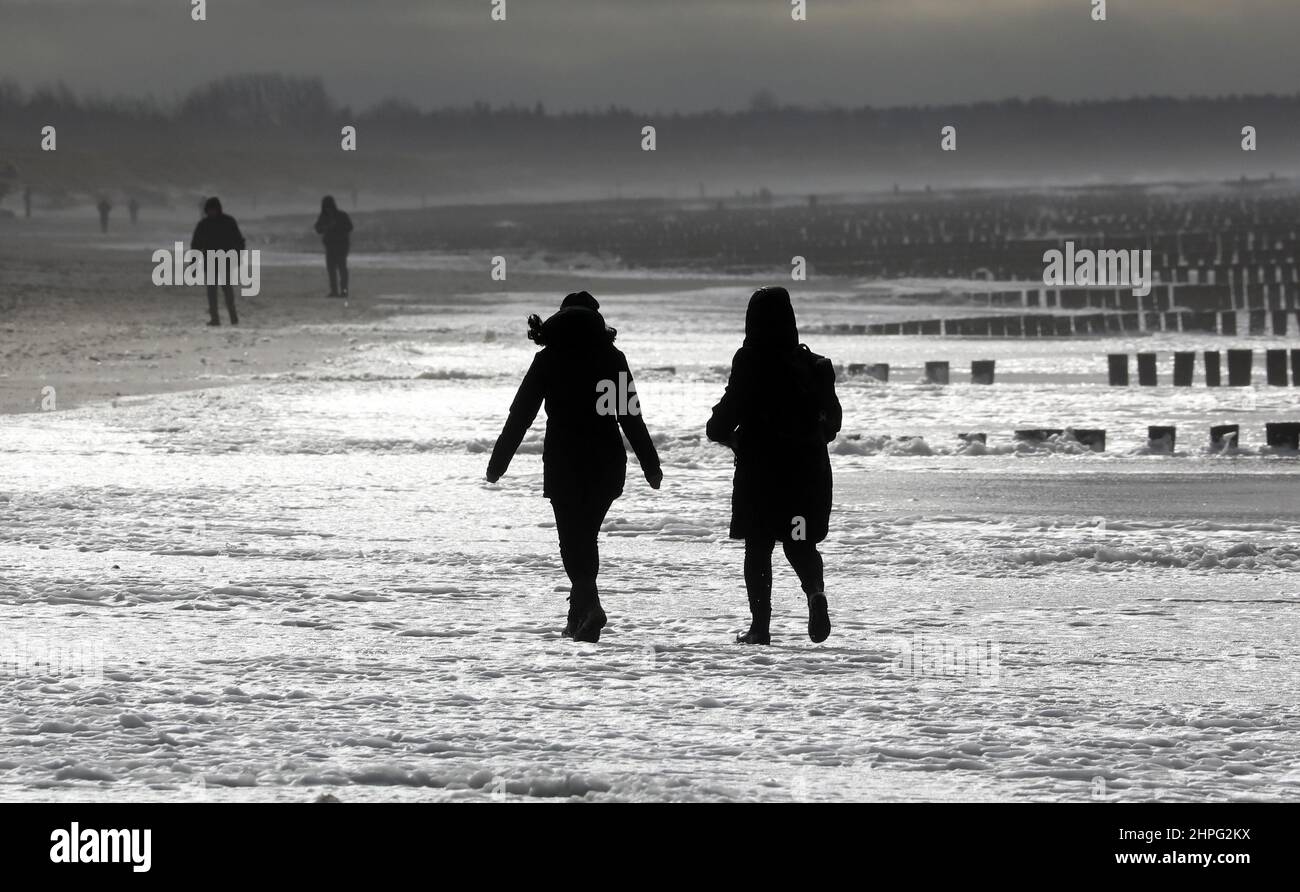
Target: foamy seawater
point(302, 583)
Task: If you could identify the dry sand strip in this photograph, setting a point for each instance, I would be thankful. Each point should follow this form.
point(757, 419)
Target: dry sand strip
point(79, 313)
point(88, 322)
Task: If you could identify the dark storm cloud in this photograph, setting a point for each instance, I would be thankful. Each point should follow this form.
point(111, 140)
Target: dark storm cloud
point(664, 54)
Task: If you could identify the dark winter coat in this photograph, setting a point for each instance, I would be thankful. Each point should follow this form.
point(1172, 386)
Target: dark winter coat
point(583, 456)
point(778, 413)
point(218, 233)
point(334, 226)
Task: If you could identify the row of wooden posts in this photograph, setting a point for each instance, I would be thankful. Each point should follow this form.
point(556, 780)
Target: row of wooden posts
point(1282, 368)
point(1226, 288)
point(1240, 368)
point(1041, 325)
point(1160, 438)
point(938, 372)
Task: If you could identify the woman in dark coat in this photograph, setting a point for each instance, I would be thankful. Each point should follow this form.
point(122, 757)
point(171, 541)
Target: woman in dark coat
point(335, 229)
point(589, 394)
point(778, 413)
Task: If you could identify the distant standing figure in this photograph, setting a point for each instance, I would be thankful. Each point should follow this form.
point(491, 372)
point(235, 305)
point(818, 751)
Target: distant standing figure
point(133, 208)
point(27, 202)
point(104, 207)
point(778, 413)
point(218, 231)
point(583, 459)
point(335, 228)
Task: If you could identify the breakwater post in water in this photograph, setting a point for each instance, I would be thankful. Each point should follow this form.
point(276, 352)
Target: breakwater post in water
point(1117, 364)
point(1093, 438)
point(1162, 438)
point(1224, 436)
point(1275, 362)
point(936, 372)
point(1283, 435)
point(1239, 367)
point(1146, 369)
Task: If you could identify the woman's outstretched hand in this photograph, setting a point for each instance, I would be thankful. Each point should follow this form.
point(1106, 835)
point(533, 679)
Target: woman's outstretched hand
point(655, 479)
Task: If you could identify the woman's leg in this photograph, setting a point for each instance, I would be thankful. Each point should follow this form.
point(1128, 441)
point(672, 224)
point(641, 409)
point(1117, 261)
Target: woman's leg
point(577, 547)
point(758, 586)
point(595, 519)
point(578, 522)
point(343, 271)
point(807, 563)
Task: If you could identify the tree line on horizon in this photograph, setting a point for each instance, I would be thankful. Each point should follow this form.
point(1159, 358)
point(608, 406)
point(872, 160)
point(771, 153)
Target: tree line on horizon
point(280, 100)
point(203, 142)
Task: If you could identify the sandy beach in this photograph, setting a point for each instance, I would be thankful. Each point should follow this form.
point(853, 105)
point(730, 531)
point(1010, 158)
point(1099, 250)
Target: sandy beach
point(78, 313)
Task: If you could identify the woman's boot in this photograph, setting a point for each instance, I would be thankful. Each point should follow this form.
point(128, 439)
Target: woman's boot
point(819, 619)
point(758, 587)
point(586, 617)
point(760, 625)
point(591, 623)
point(574, 617)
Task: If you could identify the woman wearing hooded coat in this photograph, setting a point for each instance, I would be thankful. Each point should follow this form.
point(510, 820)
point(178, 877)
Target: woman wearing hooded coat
point(587, 388)
point(778, 413)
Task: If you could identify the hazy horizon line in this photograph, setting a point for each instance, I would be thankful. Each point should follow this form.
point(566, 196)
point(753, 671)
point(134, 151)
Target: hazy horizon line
point(763, 101)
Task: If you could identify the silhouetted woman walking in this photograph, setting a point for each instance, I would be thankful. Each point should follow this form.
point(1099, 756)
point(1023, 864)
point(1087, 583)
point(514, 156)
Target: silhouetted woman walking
point(335, 229)
point(778, 413)
point(589, 395)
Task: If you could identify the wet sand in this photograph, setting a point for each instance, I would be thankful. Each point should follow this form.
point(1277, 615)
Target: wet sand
point(79, 313)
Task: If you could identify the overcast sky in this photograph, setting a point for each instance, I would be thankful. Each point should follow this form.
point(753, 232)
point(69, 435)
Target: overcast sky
point(664, 54)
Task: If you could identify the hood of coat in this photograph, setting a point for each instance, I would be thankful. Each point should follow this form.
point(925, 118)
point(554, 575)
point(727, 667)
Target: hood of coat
point(580, 299)
point(574, 326)
point(769, 321)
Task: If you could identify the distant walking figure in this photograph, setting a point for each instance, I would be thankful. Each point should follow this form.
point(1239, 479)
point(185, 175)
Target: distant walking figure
point(778, 413)
point(133, 208)
point(335, 228)
point(103, 207)
point(587, 387)
point(218, 231)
